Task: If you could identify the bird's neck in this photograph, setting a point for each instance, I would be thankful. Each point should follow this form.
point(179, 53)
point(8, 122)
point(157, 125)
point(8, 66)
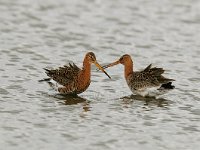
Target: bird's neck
point(86, 70)
point(128, 69)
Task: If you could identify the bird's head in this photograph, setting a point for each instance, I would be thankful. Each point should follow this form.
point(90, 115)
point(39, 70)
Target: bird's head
point(91, 58)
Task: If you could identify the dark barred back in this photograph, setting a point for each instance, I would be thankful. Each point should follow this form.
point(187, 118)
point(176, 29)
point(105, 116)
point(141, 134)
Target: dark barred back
point(149, 77)
point(64, 75)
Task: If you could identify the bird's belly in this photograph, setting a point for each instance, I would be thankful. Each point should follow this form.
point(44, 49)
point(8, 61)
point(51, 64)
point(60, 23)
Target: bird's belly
point(148, 92)
point(70, 88)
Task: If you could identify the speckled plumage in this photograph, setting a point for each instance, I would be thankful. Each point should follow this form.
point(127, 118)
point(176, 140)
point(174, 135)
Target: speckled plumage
point(73, 79)
point(68, 77)
point(148, 82)
point(64, 75)
point(149, 77)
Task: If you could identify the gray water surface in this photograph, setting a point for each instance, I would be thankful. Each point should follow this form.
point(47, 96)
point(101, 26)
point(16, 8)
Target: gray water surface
point(36, 34)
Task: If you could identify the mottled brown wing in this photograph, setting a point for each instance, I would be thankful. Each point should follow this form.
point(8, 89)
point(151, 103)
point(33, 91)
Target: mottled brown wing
point(149, 77)
point(64, 75)
point(157, 73)
point(142, 80)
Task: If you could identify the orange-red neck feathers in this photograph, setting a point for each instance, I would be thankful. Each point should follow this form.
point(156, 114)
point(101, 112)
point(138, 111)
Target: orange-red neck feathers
point(128, 64)
point(86, 70)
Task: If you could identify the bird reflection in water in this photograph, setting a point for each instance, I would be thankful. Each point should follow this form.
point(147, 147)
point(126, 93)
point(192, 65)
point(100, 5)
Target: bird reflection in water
point(148, 101)
point(73, 100)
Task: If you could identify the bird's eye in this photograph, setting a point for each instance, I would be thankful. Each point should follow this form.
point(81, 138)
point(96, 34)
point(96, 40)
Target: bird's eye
point(121, 59)
point(91, 57)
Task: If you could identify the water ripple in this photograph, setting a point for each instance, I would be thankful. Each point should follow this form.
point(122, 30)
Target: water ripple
point(36, 35)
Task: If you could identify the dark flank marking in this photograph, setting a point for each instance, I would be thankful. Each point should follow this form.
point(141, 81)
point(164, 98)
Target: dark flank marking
point(167, 86)
point(44, 80)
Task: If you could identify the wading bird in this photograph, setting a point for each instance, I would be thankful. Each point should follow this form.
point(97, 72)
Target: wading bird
point(148, 82)
point(73, 79)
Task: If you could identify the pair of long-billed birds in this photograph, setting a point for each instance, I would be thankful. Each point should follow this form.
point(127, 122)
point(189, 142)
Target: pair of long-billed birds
point(73, 80)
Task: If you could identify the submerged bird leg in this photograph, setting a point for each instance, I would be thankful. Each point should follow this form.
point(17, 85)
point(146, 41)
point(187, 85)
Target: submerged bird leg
point(62, 90)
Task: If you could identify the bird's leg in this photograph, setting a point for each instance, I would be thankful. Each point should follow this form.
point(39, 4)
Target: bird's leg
point(63, 90)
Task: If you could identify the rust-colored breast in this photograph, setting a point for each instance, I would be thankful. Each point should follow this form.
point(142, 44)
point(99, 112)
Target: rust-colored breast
point(72, 78)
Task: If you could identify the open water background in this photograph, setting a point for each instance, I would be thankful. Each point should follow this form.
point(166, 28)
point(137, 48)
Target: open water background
point(35, 34)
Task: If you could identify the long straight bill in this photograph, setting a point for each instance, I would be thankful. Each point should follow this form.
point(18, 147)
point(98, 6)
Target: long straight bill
point(111, 64)
point(101, 68)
